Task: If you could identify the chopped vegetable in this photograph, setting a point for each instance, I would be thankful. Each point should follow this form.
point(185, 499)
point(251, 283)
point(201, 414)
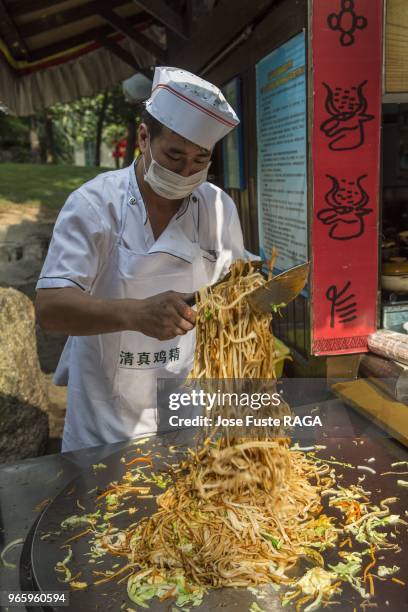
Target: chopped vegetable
point(366, 469)
point(208, 314)
point(139, 460)
point(348, 571)
point(6, 549)
point(61, 566)
point(78, 585)
point(276, 308)
point(76, 521)
point(142, 587)
point(276, 543)
point(384, 571)
point(315, 583)
point(78, 535)
point(141, 441)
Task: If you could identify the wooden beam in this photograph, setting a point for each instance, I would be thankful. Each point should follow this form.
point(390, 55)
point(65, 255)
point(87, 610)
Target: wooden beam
point(286, 20)
point(80, 39)
point(188, 17)
point(123, 26)
point(74, 41)
point(22, 7)
point(163, 13)
point(211, 35)
point(123, 54)
point(66, 17)
point(13, 34)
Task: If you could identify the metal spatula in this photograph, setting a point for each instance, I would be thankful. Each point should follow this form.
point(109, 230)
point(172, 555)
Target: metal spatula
point(280, 290)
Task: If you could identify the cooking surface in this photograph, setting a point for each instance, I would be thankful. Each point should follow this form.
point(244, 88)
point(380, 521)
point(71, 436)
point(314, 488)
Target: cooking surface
point(46, 553)
point(24, 485)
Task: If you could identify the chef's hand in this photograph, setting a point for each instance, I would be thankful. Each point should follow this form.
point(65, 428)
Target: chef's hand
point(74, 312)
point(163, 316)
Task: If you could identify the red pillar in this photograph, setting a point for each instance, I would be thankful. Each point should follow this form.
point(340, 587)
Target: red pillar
point(347, 92)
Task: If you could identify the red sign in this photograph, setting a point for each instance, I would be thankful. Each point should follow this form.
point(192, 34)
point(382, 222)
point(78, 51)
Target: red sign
point(347, 68)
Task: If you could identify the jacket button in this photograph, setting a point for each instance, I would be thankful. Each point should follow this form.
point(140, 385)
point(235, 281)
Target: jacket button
point(195, 199)
point(132, 201)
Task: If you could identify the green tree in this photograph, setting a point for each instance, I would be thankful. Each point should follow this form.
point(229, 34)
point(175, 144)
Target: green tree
point(105, 117)
point(52, 135)
point(82, 120)
point(126, 116)
point(14, 138)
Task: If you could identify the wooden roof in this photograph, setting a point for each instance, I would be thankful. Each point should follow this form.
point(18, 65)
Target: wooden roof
point(38, 33)
point(56, 50)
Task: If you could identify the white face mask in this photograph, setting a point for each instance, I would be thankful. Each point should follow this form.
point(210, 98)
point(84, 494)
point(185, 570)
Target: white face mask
point(171, 185)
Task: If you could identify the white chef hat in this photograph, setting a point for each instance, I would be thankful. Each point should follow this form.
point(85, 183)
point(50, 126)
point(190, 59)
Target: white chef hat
point(190, 106)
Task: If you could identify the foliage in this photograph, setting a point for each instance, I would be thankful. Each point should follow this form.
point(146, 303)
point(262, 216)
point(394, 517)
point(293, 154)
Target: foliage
point(61, 128)
point(79, 119)
point(14, 138)
point(13, 129)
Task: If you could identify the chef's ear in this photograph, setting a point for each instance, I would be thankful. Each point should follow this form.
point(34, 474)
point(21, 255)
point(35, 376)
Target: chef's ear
point(143, 137)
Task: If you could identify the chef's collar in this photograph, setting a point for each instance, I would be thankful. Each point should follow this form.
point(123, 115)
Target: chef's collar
point(135, 192)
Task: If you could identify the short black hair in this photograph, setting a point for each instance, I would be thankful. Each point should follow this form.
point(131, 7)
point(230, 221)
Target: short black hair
point(155, 127)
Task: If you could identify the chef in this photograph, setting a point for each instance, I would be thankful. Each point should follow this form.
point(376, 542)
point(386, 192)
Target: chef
point(128, 249)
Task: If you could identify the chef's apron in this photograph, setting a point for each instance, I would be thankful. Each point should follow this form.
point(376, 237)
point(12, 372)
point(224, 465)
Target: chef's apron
point(112, 379)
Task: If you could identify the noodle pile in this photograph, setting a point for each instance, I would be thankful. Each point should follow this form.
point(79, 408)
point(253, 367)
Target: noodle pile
point(236, 516)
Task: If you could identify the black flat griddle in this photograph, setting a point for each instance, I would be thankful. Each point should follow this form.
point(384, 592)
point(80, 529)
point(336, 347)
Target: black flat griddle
point(45, 553)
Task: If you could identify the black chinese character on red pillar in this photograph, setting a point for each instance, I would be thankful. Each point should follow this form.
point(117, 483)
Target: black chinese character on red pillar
point(347, 109)
point(347, 202)
point(347, 22)
point(343, 308)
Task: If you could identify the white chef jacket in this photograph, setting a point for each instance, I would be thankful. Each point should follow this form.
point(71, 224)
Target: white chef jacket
point(103, 217)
